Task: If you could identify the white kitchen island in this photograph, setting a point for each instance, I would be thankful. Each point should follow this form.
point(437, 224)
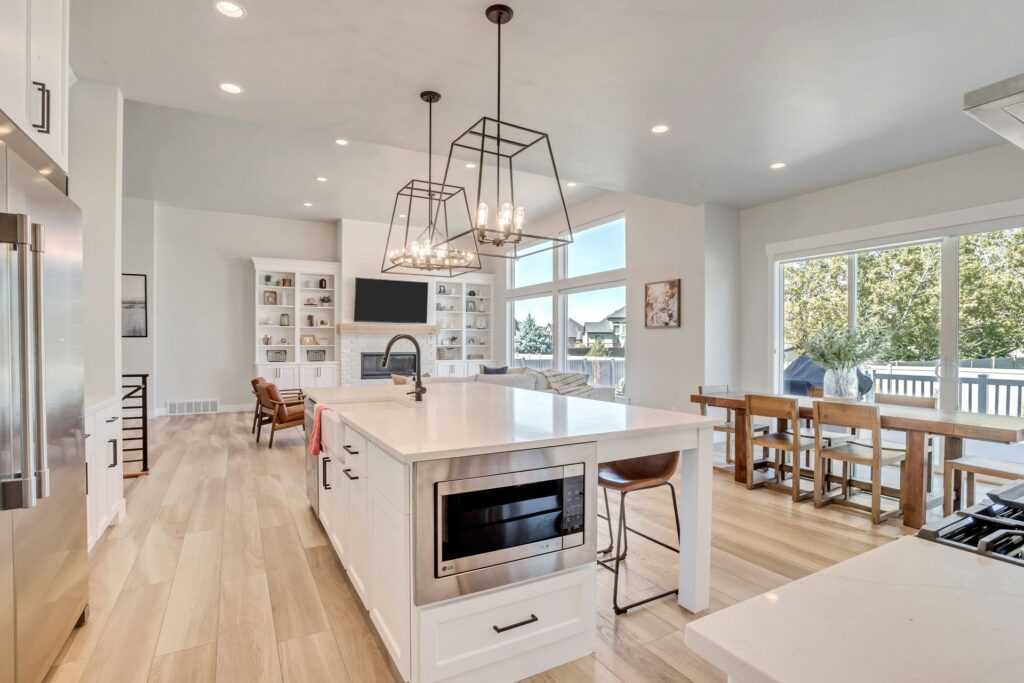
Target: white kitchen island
point(374, 438)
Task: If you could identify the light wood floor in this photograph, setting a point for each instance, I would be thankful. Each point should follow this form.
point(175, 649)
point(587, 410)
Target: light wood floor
point(221, 572)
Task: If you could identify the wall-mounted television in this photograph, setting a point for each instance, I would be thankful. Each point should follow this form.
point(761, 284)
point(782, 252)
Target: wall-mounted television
point(390, 301)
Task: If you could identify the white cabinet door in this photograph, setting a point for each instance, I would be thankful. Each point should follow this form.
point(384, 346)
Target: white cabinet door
point(327, 376)
point(389, 590)
point(96, 480)
point(359, 565)
point(284, 376)
point(451, 369)
point(48, 76)
point(14, 60)
point(338, 533)
point(113, 465)
point(327, 492)
point(308, 376)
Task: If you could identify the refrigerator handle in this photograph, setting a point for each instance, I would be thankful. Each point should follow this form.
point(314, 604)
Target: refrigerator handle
point(43, 462)
point(20, 491)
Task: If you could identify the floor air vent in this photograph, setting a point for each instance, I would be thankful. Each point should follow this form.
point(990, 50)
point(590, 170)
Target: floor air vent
point(195, 407)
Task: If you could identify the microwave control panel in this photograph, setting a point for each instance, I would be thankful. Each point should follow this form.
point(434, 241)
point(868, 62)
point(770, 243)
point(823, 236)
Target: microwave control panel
point(573, 504)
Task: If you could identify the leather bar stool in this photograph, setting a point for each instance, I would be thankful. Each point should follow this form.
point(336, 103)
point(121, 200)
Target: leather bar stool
point(629, 476)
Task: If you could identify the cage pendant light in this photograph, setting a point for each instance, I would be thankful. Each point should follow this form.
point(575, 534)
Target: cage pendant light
point(500, 223)
point(422, 224)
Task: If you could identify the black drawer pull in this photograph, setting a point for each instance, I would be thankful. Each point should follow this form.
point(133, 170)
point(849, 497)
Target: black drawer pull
point(113, 419)
point(348, 473)
point(44, 107)
point(113, 464)
point(348, 449)
point(327, 487)
point(502, 629)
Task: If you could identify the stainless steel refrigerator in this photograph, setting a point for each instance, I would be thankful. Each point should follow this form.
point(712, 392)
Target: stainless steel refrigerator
point(44, 586)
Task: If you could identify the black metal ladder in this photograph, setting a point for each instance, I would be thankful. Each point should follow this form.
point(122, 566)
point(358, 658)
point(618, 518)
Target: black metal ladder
point(134, 420)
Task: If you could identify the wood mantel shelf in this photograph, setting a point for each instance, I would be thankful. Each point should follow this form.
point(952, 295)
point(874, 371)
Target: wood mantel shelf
point(385, 328)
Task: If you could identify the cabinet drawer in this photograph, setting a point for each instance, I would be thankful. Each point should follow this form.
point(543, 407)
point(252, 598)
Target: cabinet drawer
point(354, 450)
point(389, 477)
point(480, 631)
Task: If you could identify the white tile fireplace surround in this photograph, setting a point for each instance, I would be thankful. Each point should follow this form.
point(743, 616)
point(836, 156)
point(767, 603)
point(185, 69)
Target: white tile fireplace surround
point(354, 344)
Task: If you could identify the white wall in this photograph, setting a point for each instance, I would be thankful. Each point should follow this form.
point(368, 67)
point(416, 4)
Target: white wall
point(981, 178)
point(664, 241)
point(96, 113)
point(721, 294)
point(138, 256)
point(204, 294)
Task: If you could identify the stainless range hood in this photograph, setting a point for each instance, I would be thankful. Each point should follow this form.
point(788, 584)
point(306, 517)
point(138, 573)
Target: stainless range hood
point(1000, 106)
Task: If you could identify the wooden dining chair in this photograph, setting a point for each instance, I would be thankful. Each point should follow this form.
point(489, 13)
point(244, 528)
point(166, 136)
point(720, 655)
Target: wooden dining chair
point(916, 402)
point(969, 466)
point(277, 412)
point(862, 417)
point(729, 426)
point(793, 441)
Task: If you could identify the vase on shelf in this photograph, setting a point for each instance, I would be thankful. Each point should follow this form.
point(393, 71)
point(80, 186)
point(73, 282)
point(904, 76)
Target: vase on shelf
point(841, 383)
point(266, 279)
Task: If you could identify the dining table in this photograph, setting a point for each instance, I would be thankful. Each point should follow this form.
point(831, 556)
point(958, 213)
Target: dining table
point(917, 423)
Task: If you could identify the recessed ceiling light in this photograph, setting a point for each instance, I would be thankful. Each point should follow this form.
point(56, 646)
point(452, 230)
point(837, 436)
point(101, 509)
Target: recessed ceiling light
point(401, 215)
point(470, 165)
point(45, 171)
point(321, 179)
point(570, 184)
point(777, 165)
point(232, 88)
point(307, 204)
point(229, 9)
point(341, 142)
point(659, 129)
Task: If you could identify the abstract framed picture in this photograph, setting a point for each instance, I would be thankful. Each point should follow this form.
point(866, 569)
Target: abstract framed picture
point(662, 303)
point(134, 314)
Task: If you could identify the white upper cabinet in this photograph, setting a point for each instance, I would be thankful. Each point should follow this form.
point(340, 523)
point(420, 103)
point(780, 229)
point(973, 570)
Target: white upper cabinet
point(35, 71)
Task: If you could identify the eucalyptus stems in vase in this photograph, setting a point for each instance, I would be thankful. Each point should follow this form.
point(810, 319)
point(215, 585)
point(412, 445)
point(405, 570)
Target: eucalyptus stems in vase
point(841, 351)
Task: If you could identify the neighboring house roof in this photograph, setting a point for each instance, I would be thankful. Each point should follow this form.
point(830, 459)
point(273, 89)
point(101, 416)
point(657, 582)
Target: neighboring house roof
point(618, 316)
point(600, 327)
point(575, 329)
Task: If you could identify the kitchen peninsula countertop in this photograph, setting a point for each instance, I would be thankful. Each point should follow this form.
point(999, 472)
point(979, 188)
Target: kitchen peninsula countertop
point(469, 418)
point(912, 610)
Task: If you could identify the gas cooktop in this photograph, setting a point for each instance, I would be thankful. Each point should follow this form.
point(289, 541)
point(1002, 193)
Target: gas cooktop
point(994, 529)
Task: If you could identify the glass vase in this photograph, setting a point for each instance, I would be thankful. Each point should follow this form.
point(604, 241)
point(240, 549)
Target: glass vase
point(841, 383)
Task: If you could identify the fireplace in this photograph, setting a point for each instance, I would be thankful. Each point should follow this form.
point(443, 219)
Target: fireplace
point(372, 365)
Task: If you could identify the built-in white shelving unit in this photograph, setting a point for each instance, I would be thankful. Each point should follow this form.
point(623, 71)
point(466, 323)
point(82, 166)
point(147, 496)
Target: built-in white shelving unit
point(463, 313)
point(296, 306)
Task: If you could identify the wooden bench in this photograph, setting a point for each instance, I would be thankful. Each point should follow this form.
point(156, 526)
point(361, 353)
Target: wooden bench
point(971, 465)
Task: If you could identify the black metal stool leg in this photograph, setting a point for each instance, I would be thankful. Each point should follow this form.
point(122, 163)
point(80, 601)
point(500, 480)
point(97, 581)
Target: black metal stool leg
point(618, 554)
point(608, 517)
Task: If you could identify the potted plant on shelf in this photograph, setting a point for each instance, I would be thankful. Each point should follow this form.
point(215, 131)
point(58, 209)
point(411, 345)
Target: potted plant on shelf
point(325, 301)
point(841, 351)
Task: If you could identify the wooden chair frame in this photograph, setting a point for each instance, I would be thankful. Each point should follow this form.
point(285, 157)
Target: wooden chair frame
point(270, 414)
point(729, 428)
point(916, 402)
point(779, 408)
point(290, 395)
point(856, 416)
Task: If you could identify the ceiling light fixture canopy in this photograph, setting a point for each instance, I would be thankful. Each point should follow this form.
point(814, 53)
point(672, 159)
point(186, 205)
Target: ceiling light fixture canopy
point(496, 146)
point(418, 238)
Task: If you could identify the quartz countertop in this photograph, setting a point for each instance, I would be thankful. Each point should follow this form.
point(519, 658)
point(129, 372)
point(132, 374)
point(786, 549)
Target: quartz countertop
point(469, 418)
point(912, 610)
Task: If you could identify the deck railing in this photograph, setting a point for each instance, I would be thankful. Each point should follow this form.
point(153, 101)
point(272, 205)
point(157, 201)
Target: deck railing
point(980, 394)
point(603, 371)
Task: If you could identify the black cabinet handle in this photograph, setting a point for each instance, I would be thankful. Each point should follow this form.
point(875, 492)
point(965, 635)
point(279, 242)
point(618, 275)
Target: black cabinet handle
point(327, 486)
point(113, 464)
point(502, 629)
point(87, 477)
point(348, 473)
point(44, 111)
point(113, 419)
point(348, 449)
point(87, 436)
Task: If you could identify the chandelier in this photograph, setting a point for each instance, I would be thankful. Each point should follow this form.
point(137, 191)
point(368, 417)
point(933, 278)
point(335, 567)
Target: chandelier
point(497, 147)
point(419, 236)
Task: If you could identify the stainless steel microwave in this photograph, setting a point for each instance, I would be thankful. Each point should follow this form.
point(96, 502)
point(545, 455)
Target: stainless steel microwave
point(490, 520)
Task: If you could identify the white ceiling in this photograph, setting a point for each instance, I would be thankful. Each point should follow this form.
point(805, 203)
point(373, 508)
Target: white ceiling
point(839, 90)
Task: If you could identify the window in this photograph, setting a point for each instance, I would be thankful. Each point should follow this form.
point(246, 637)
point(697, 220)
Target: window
point(595, 341)
point(532, 333)
point(572, 317)
point(814, 297)
point(597, 249)
point(535, 268)
point(991, 330)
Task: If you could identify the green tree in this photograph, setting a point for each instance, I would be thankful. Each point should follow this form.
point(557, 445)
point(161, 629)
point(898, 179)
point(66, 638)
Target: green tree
point(814, 299)
point(530, 338)
point(598, 349)
point(992, 294)
point(898, 293)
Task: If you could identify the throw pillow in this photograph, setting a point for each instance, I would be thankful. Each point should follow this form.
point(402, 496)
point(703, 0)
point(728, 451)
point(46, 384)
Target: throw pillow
point(503, 370)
